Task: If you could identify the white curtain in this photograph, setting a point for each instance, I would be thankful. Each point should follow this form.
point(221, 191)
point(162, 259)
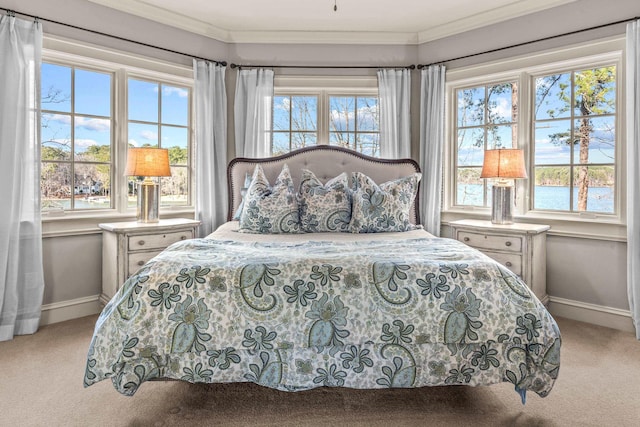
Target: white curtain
point(394, 92)
point(633, 171)
point(432, 96)
point(252, 112)
point(211, 145)
point(21, 272)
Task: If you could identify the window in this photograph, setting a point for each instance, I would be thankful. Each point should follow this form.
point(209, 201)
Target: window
point(562, 108)
point(345, 114)
point(295, 123)
point(159, 117)
point(575, 139)
point(486, 118)
point(76, 135)
point(86, 129)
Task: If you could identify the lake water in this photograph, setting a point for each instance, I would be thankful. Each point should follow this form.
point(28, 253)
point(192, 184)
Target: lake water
point(600, 199)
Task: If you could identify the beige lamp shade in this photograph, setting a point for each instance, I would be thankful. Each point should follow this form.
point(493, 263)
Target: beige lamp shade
point(148, 162)
point(504, 163)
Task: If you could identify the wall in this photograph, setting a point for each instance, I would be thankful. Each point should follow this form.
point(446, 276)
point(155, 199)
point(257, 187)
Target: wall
point(586, 278)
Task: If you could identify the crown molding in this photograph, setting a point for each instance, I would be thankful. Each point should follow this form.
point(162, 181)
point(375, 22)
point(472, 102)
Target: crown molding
point(494, 16)
point(173, 19)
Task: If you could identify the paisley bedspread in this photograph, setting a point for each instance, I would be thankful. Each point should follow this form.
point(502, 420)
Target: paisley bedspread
point(294, 316)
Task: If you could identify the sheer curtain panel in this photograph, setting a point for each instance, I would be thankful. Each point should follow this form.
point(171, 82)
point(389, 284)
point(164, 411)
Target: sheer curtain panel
point(394, 92)
point(432, 95)
point(21, 272)
point(633, 171)
point(211, 145)
point(252, 112)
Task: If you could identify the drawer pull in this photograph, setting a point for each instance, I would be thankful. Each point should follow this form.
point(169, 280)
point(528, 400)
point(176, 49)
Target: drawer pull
point(508, 243)
point(140, 262)
point(466, 239)
point(183, 237)
point(509, 264)
point(141, 242)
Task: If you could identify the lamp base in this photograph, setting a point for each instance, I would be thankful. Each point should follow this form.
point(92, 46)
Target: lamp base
point(502, 204)
point(148, 197)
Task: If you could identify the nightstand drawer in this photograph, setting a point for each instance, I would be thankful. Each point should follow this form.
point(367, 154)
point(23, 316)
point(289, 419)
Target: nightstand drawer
point(138, 259)
point(512, 261)
point(491, 241)
point(153, 241)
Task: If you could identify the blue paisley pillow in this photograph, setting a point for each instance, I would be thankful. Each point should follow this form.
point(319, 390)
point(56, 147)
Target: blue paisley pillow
point(267, 209)
point(324, 207)
point(385, 207)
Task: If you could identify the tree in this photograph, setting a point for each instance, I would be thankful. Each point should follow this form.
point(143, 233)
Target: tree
point(593, 95)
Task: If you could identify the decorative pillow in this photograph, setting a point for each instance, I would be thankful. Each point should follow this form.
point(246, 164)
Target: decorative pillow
point(270, 210)
point(384, 207)
point(324, 207)
point(243, 193)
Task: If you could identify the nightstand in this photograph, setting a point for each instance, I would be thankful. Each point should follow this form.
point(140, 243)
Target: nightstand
point(127, 246)
point(519, 247)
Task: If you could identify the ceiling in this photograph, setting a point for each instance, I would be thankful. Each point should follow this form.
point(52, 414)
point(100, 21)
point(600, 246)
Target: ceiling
point(316, 21)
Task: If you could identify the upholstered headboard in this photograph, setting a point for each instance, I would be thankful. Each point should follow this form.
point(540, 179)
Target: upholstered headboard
point(326, 162)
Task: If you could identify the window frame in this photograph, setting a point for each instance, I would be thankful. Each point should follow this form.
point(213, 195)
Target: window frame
point(524, 69)
point(122, 65)
point(324, 87)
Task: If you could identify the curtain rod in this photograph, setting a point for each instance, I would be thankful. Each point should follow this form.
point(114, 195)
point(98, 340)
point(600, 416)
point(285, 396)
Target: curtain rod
point(410, 67)
point(421, 66)
point(14, 12)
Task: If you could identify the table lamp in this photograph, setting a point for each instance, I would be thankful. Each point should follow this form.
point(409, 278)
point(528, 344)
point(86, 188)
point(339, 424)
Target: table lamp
point(505, 164)
point(148, 162)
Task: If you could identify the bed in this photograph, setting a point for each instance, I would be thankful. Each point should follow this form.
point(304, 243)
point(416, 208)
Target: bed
point(314, 303)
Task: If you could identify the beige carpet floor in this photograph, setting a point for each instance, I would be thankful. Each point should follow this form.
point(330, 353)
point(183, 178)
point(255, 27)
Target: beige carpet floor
point(41, 385)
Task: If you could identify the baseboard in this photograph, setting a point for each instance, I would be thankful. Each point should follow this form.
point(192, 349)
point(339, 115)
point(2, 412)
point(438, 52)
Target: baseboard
point(610, 317)
point(71, 309)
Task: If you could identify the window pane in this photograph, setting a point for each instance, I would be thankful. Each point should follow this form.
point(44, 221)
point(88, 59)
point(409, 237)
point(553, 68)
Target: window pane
point(55, 137)
point(55, 186)
point(368, 143)
point(470, 187)
point(281, 112)
point(141, 135)
point(367, 114)
point(595, 91)
point(303, 139)
point(178, 155)
point(471, 147)
point(501, 136)
point(143, 101)
point(594, 188)
point(304, 113)
point(174, 189)
point(280, 143)
point(91, 186)
point(175, 139)
point(92, 93)
point(552, 142)
point(342, 113)
point(92, 137)
point(501, 102)
point(175, 105)
point(552, 186)
point(595, 140)
point(553, 96)
point(342, 139)
point(55, 87)
point(471, 107)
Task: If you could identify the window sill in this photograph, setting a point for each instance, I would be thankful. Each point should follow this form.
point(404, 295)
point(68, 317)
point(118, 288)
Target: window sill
point(86, 222)
point(598, 228)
